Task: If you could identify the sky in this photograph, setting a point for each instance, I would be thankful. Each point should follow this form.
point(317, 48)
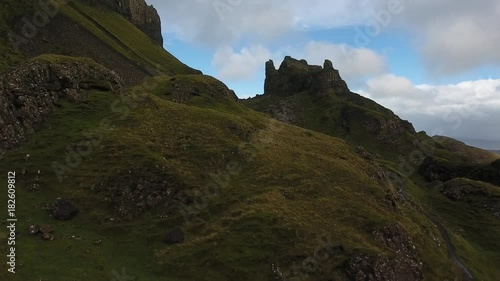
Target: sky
point(435, 63)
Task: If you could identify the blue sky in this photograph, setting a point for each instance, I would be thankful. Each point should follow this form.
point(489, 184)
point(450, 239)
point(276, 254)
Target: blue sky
point(435, 63)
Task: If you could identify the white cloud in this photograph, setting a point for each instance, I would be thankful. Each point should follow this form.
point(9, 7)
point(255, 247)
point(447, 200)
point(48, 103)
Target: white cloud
point(454, 36)
point(245, 64)
point(240, 65)
point(467, 109)
point(353, 63)
point(217, 23)
point(390, 86)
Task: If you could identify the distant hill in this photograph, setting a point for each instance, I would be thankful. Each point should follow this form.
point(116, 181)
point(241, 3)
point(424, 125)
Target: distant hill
point(461, 148)
point(484, 144)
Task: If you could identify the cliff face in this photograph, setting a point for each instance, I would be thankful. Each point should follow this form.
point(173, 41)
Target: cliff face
point(295, 76)
point(144, 17)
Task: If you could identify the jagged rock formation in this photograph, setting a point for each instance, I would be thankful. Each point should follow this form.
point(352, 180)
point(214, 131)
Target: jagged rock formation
point(317, 98)
point(145, 17)
point(31, 91)
point(295, 76)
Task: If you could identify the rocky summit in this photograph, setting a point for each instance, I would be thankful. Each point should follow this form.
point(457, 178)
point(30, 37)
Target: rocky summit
point(123, 163)
point(295, 76)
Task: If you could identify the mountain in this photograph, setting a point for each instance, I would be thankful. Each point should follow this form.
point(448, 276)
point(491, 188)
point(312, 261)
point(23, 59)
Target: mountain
point(130, 165)
point(317, 98)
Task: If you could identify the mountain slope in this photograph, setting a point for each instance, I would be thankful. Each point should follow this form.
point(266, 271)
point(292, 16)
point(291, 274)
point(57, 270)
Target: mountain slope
point(232, 185)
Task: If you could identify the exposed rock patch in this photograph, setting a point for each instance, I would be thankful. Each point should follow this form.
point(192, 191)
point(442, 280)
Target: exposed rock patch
point(135, 191)
point(457, 191)
point(403, 265)
point(45, 231)
point(183, 88)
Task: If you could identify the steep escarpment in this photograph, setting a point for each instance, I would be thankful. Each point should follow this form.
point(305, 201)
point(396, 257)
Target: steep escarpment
point(144, 16)
point(31, 91)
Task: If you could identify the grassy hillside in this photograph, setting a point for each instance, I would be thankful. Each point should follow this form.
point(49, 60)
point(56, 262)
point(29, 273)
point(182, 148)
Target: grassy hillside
point(350, 117)
point(247, 191)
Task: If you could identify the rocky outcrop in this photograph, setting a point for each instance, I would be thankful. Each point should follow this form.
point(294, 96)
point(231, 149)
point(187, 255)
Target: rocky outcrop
point(183, 88)
point(144, 17)
point(404, 265)
point(457, 190)
point(436, 169)
point(31, 91)
point(296, 76)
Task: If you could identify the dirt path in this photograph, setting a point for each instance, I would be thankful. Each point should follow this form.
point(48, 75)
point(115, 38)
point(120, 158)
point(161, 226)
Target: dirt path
point(466, 273)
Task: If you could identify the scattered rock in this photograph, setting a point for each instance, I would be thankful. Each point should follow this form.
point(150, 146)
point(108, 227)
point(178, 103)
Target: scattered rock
point(63, 209)
point(175, 236)
point(34, 229)
point(140, 189)
point(45, 231)
point(379, 268)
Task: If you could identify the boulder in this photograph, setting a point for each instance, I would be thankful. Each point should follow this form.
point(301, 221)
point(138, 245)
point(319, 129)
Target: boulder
point(174, 236)
point(34, 229)
point(63, 209)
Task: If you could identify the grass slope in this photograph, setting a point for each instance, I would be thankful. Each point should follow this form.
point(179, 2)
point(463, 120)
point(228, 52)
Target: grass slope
point(271, 190)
